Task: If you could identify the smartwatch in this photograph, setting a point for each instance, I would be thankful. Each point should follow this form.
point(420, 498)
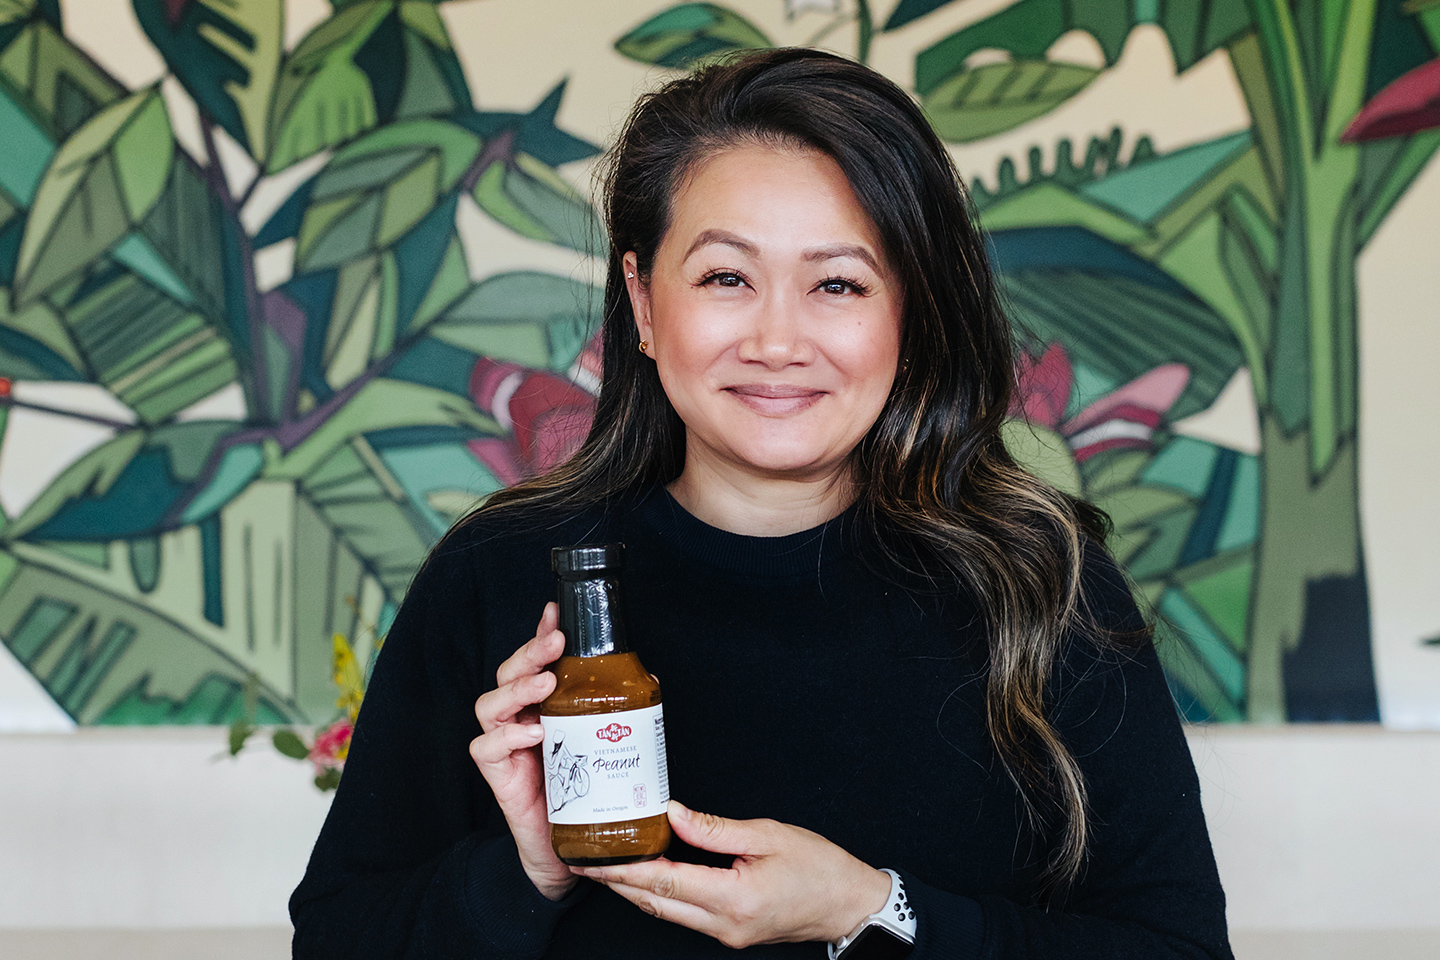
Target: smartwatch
point(887, 935)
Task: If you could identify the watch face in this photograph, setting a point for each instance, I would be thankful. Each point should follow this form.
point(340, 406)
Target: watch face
point(876, 943)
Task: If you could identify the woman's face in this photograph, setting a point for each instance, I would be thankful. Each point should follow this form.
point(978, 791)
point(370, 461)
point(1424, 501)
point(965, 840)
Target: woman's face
point(771, 314)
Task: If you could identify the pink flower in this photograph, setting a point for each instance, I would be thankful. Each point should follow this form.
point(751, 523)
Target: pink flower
point(1125, 418)
point(331, 746)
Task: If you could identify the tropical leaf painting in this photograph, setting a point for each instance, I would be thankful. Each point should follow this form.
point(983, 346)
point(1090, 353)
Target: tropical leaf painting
point(298, 300)
point(268, 460)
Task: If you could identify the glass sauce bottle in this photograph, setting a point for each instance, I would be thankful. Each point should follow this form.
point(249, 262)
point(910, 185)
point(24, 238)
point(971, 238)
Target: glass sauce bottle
point(606, 783)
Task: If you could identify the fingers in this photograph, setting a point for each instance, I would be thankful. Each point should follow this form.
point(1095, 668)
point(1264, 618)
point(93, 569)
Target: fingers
point(669, 880)
point(705, 899)
point(719, 835)
point(499, 706)
point(675, 911)
point(538, 652)
point(497, 745)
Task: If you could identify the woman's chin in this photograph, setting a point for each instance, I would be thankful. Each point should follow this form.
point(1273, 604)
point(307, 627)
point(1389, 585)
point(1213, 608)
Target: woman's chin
point(788, 463)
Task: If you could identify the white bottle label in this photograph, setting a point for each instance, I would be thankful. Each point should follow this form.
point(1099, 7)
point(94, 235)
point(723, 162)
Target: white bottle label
point(605, 767)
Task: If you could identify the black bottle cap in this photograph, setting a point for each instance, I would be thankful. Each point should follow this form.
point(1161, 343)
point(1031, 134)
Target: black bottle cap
point(587, 560)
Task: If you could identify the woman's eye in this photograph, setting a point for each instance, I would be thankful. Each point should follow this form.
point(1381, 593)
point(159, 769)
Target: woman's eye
point(839, 287)
point(722, 279)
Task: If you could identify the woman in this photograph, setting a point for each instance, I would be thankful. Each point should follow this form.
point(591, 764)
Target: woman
point(884, 646)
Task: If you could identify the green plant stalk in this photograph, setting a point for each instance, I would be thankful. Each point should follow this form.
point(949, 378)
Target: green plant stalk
point(1310, 519)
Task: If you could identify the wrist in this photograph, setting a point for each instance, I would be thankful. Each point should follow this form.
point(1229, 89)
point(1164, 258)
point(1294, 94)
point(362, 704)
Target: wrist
point(555, 890)
point(885, 934)
point(869, 896)
point(553, 882)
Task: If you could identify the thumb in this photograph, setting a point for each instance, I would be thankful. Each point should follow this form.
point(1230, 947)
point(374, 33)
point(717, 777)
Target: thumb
point(716, 834)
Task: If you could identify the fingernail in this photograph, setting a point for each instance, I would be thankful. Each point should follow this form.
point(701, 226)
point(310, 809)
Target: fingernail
point(677, 811)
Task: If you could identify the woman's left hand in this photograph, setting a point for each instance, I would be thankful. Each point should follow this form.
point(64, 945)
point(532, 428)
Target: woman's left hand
point(786, 884)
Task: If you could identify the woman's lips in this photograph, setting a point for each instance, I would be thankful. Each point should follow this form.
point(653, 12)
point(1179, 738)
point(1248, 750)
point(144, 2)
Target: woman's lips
point(775, 399)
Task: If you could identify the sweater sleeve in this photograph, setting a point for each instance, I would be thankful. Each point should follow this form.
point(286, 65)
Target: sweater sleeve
point(414, 859)
point(1149, 887)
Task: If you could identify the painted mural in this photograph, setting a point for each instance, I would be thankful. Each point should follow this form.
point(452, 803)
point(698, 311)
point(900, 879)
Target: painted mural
point(253, 291)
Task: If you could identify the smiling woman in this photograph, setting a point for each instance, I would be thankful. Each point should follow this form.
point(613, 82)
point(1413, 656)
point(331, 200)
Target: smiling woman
point(775, 329)
point(905, 684)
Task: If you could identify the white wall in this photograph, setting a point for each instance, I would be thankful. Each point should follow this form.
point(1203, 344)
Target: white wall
point(1324, 828)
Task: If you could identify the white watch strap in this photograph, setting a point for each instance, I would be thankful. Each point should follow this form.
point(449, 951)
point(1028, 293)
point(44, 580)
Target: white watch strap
point(896, 916)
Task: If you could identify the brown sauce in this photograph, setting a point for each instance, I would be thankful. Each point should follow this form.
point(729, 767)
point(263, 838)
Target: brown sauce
point(609, 683)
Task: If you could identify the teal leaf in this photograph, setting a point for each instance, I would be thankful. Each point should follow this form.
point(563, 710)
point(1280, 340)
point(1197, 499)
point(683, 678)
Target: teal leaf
point(690, 32)
point(101, 183)
point(535, 319)
point(1027, 29)
point(908, 11)
point(534, 133)
point(535, 201)
point(374, 191)
point(226, 53)
point(975, 104)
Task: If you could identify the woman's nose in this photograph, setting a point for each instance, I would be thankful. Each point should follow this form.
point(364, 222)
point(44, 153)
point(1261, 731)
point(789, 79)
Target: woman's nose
point(776, 336)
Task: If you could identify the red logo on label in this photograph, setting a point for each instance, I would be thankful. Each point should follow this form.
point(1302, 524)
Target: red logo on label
point(614, 733)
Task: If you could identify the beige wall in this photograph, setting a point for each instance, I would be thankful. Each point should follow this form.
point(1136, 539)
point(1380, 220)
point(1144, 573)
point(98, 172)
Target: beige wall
point(1315, 829)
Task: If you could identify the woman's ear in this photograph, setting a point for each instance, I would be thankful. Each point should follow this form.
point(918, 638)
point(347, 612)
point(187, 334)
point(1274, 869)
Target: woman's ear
point(639, 294)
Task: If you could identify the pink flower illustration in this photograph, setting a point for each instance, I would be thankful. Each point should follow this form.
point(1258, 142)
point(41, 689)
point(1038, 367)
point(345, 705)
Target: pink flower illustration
point(1124, 418)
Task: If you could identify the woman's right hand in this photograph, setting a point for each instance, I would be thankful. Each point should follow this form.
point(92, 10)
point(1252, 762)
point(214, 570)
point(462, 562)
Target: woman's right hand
point(508, 752)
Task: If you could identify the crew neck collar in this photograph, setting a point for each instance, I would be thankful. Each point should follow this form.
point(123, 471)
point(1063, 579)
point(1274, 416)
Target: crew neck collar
point(789, 555)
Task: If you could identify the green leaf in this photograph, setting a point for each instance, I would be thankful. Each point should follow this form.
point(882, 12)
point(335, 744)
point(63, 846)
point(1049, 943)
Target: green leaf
point(36, 345)
point(322, 98)
point(226, 53)
point(1051, 205)
point(536, 202)
point(63, 87)
point(155, 353)
point(239, 732)
point(328, 780)
point(91, 475)
point(1027, 29)
point(289, 744)
point(380, 405)
point(1427, 16)
point(979, 103)
point(99, 186)
point(1044, 453)
point(908, 11)
point(359, 497)
point(535, 319)
point(375, 190)
point(684, 34)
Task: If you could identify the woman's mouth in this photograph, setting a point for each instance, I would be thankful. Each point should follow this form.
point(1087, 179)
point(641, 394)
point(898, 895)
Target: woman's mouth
point(775, 399)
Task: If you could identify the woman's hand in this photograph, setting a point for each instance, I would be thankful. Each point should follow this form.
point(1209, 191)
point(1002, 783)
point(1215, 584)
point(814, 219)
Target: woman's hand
point(786, 884)
point(508, 753)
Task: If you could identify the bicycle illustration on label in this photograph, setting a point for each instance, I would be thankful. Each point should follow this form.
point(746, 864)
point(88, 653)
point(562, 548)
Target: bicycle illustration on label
point(565, 774)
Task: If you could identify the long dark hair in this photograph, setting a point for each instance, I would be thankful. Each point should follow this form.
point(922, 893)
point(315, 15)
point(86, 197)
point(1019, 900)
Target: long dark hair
point(936, 486)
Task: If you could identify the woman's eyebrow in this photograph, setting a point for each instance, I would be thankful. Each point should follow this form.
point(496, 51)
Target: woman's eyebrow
point(835, 251)
point(831, 252)
point(725, 237)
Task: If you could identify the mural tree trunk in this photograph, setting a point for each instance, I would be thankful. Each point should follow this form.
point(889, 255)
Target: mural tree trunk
point(1309, 612)
point(1310, 544)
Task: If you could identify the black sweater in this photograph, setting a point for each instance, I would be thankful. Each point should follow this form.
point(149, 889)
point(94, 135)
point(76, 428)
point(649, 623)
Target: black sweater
point(798, 686)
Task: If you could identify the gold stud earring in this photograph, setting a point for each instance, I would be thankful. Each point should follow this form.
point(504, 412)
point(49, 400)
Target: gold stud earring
point(644, 345)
